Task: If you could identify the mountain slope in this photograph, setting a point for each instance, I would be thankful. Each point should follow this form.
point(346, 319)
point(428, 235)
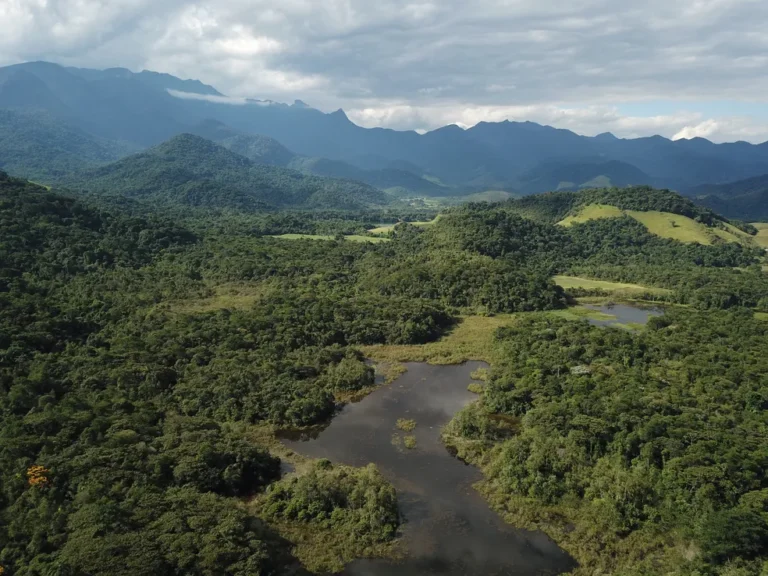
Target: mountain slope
point(193, 171)
point(556, 175)
point(148, 108)
point(38, 146)
point(743, 199)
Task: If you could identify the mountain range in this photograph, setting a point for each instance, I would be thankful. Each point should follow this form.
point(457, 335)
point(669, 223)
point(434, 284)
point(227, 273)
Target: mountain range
point(87, 118)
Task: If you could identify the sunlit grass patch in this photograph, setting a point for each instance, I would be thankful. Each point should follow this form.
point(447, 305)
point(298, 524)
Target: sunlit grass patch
point(575, 282)
point(230, 296)
point(592, 212)
point(386, 228)
point(471, 339)
point(761, 239)
point(582, 313)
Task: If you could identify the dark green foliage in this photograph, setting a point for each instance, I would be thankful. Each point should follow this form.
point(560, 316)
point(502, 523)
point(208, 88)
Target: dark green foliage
point(38, 146)
point(190, 170)
point(617, 249)
point(656, 428)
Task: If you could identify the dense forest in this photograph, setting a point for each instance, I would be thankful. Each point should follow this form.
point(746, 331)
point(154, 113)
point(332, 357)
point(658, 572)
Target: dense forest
point(147, 357)
point(651, 445)
point(190, 170)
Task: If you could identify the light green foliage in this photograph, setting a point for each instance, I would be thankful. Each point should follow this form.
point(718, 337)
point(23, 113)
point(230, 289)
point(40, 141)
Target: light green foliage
point(405, 424)
point(573, 282)
point(476, 388)
point(409, 442)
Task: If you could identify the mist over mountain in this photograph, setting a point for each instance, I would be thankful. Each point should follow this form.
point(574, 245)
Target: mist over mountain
point(121, 110)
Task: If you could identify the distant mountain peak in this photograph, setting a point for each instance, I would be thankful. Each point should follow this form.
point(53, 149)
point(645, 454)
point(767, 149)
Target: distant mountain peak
point(340, 114)
point(606, 136)
point(301, 104)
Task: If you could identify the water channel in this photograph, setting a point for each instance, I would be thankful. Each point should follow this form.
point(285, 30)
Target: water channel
point(447, 527)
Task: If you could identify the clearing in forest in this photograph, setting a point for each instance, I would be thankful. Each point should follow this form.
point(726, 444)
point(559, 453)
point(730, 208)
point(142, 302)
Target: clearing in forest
point(664, 224)
point(575, 282)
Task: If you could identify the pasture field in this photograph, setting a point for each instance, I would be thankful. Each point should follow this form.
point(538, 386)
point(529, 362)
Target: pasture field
point(762, 234)
point(385, 228)
point(665, 225)
point(568, 282)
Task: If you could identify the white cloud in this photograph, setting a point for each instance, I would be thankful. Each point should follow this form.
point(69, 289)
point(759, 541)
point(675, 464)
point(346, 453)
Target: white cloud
point(422, 63)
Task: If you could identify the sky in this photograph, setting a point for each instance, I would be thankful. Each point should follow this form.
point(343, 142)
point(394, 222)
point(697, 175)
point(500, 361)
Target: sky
point(679, 68)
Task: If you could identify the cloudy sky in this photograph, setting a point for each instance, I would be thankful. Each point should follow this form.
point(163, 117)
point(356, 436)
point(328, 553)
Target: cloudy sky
point(680, 68)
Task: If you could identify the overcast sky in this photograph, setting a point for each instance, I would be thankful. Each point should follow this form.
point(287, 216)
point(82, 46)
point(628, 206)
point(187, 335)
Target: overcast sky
point(680, 68)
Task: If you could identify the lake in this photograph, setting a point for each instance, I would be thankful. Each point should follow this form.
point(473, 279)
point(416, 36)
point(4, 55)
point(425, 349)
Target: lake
point(625, 314)
point(447, 526)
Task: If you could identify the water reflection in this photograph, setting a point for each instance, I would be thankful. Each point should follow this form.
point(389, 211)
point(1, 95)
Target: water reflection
point(448, 528)
point(625, 314)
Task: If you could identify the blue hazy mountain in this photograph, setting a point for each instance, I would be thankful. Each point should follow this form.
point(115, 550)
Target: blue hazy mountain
point(143, 109)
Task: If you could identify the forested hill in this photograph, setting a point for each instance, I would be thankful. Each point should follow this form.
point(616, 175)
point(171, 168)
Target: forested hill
point(744, 199)
point(553, 207)
point(39, 146)
point(191, 170)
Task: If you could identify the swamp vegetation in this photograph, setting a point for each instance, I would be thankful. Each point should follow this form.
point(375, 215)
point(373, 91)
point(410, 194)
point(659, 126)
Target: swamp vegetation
point(147, 358)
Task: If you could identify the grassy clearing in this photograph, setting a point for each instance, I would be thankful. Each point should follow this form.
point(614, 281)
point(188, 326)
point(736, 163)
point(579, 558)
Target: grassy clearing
point(592, 212)
point(582, 313)
point(353, 238)
point(762, 234)
point(664, 224)
point(472, 339)
point(763, 316)
point(676, 227)
point(385, 228)
point(575, 282)
point(405, 424)
point(232, 296)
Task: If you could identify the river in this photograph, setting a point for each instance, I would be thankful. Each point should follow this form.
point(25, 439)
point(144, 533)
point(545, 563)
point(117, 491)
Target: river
point(447, 526)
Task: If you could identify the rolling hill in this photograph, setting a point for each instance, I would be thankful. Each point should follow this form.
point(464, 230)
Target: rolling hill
point(190, 170)
point(663, 213)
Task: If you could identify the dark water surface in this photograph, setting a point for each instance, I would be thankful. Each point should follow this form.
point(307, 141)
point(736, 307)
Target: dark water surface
point(625, 314)
point(448, 528)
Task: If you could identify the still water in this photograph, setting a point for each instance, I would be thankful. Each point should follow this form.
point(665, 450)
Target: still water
point(447, 527)
point(624, 314)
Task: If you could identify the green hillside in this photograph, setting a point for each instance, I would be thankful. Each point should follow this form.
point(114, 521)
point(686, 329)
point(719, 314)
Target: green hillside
point(38, 146)
point(189, 170)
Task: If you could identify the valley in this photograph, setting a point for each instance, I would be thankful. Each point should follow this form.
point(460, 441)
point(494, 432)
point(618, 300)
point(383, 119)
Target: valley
point(259, 339)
